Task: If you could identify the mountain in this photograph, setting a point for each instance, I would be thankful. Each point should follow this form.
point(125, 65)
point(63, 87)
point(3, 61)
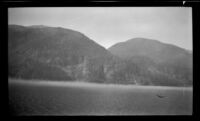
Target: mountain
point(53, 53)
point(164, 61)
point(159, 52)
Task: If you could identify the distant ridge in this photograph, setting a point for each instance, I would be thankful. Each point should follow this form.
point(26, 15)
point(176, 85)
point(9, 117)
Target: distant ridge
point(167, 59)
point(154, 49)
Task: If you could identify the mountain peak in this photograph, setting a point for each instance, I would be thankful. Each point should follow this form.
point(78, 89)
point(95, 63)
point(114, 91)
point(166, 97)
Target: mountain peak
point(142, 40)
point(51, 52)
point(154, 49)
point(37, 26)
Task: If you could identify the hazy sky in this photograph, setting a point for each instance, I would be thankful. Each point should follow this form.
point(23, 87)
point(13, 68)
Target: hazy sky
point(109, 25)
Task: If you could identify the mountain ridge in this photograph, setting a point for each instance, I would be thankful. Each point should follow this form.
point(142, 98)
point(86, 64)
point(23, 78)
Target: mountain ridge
point(166, 58)
point(56, 53)
point(147, 47)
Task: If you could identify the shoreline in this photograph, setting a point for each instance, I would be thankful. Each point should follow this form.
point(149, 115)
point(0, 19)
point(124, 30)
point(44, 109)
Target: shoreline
point(89, 84)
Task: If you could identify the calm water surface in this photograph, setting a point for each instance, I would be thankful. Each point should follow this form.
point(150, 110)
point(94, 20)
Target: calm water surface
point(59, 98)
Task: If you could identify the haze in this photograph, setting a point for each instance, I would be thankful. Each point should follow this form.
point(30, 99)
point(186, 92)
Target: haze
point(110, 25)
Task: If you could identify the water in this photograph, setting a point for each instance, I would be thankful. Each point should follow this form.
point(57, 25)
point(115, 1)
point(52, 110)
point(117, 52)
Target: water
point(60, 98)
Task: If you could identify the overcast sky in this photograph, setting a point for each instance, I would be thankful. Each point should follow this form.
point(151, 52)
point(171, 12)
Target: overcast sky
point(110, 25)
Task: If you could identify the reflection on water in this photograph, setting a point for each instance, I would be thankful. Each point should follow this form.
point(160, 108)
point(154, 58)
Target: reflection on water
point(60, 98)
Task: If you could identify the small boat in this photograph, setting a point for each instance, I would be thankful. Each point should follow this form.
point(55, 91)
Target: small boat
point(160, 96)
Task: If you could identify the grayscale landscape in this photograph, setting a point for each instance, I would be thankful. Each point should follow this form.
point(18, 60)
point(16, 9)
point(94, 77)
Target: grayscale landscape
point(58, 70)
